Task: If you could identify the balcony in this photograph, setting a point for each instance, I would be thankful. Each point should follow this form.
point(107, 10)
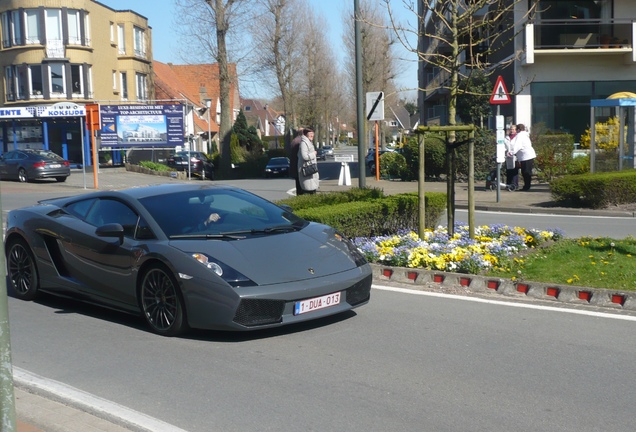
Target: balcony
point(580, 37)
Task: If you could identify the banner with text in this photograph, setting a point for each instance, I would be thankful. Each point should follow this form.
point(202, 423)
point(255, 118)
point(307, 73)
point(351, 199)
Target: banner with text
point(141, 125)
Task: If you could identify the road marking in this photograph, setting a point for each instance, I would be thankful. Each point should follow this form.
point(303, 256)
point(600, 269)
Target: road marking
point(504, 303)
point(90, 403)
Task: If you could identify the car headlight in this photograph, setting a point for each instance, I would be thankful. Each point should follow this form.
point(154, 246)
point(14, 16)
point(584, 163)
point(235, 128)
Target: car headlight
point(225, 272)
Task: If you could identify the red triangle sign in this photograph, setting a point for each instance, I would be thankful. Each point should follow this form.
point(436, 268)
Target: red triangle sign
point(500, 93)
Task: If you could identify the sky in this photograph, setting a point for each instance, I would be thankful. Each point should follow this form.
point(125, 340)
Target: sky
point(160, 18)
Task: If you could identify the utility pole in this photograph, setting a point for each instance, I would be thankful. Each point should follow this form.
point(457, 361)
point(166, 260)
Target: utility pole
point(362, 172)
point(7, 396)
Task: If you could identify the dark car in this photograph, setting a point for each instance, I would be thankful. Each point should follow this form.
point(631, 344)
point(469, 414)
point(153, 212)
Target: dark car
point(277, 167)
point(200, 164)
point(370, 159)
point(185, 256)
point(321, 154)
point(27, 165)
point(328, 150)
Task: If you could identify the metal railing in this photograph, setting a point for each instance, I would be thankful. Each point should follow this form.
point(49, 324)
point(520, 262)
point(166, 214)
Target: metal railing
point(580, 33)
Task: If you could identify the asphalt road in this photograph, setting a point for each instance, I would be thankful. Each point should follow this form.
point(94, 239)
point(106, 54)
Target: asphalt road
point(404, 362)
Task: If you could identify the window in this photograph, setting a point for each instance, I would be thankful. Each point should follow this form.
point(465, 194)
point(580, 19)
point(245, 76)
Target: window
point(77, 80)
point(32, 30)
point(57, 79)
point(35, 78)
point(139, 42)
point(11, 29)
point(74, 27)
point(114, 80)
point(53, 25)
point(112, 32)
point(16, 81)
point(141, 87)
point(123, 85)
point(121, 39)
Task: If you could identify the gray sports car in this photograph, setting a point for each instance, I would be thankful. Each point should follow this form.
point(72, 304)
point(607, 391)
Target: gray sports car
point(182, 255)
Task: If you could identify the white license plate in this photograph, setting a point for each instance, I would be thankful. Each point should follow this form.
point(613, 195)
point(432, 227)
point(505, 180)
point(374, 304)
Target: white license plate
point(55, 165)
point(316, 303)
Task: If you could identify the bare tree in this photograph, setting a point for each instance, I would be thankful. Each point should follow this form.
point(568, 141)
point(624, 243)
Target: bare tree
point(279, 37)
point(378, 56)
point(459, 37)
point(320, 96)
point(206, 27)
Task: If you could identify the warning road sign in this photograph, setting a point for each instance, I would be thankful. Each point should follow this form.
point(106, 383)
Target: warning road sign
point(500, 93)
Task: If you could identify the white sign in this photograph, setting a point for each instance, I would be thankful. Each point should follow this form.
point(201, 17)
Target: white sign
point(62, 109)
point(15, 113)
point(375, 106)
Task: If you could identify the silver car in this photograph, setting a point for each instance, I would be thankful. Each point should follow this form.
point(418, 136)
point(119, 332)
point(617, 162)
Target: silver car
point(26, 165)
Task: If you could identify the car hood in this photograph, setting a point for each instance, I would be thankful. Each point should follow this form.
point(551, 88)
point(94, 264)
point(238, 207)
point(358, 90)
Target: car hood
point(315, 251)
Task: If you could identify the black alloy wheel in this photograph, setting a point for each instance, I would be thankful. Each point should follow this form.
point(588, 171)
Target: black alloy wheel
point(22, 271)
point(161, 302)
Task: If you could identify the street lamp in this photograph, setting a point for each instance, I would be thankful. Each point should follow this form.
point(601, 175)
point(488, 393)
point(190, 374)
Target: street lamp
point(208, 104)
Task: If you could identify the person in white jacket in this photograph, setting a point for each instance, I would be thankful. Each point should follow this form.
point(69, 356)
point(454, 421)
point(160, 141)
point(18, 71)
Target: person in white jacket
point(512, 171)
point(524, 152)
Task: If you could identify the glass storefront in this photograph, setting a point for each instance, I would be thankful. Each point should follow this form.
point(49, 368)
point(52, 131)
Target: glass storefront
point(565, 106)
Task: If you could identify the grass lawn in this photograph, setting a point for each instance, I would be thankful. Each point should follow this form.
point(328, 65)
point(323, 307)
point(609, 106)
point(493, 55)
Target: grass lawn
point(587, 261)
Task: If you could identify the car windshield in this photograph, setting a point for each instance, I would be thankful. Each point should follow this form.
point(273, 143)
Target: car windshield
point(279, 161)
point(219, 213)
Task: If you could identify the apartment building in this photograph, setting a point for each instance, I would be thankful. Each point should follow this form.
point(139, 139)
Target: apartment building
point(56, 57)
point(567, 53)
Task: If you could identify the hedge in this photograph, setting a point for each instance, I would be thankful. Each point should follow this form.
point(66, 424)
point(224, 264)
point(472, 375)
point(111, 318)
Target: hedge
point(597, 190)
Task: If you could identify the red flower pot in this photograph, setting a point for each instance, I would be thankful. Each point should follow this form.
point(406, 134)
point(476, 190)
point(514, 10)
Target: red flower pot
point(585, 295)
point(464, 281)
point(387, 272)
point(523, 288)
point(493, 284)
point(438, 278)
point(552, 292)
point(412, 275)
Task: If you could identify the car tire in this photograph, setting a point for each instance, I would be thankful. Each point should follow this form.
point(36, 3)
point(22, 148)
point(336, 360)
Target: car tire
point(161, 302)
point(61, 179)
point(22, 272)
point(22, 175)
point(202, 174)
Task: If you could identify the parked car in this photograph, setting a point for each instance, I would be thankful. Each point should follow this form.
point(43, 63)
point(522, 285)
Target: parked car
point(370, 159)
point(320, 154)
point(26, 165)
point(328, 150)
point(157, 251)
point(277, 167)
point(201, 165)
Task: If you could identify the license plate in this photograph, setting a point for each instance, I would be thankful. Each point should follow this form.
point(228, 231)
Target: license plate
point(55, 165)
point(316, 303)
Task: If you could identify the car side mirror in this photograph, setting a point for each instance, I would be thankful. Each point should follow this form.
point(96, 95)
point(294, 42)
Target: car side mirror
point(111, 230)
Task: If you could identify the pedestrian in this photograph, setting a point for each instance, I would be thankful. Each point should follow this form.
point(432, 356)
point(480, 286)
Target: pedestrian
point(523, 150)
point(307, 156)
point(512, 168)
point(293, 159)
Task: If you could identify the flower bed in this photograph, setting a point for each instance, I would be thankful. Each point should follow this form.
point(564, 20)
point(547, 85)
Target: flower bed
point(493, 246)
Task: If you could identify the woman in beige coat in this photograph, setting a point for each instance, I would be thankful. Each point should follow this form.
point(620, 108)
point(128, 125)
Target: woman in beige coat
point(306, 156)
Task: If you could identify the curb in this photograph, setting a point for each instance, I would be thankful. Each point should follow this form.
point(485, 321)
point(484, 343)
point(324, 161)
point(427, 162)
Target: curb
point(418, 278)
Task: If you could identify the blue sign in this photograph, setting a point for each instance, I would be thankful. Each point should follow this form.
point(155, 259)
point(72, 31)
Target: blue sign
point(141, 125)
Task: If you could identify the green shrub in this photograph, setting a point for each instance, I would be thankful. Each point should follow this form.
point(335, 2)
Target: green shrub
point(596, 190)
point(434, 154)
point(485, 151)
point(554, 154)
point(392, 165)
point(154, 166)
point(579, 165)
point(380, 216)
point(330, 198)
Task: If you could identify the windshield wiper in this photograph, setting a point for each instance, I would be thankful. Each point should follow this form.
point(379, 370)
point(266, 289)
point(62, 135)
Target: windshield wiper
point(229, 235)
point(267, 230)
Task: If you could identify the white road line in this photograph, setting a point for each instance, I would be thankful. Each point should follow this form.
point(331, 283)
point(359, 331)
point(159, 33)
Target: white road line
point(90, 403)
point(504, 303)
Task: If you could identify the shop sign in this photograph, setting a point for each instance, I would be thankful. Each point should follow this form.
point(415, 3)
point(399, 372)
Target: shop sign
point(18, 112)
point(62, 109)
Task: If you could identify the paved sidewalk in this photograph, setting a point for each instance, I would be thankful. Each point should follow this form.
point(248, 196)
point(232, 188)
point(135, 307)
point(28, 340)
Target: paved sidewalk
point(38, 412)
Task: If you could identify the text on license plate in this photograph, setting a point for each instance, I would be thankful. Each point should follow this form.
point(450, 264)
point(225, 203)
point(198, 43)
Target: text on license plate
point(55, 165)
point(316, 303)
